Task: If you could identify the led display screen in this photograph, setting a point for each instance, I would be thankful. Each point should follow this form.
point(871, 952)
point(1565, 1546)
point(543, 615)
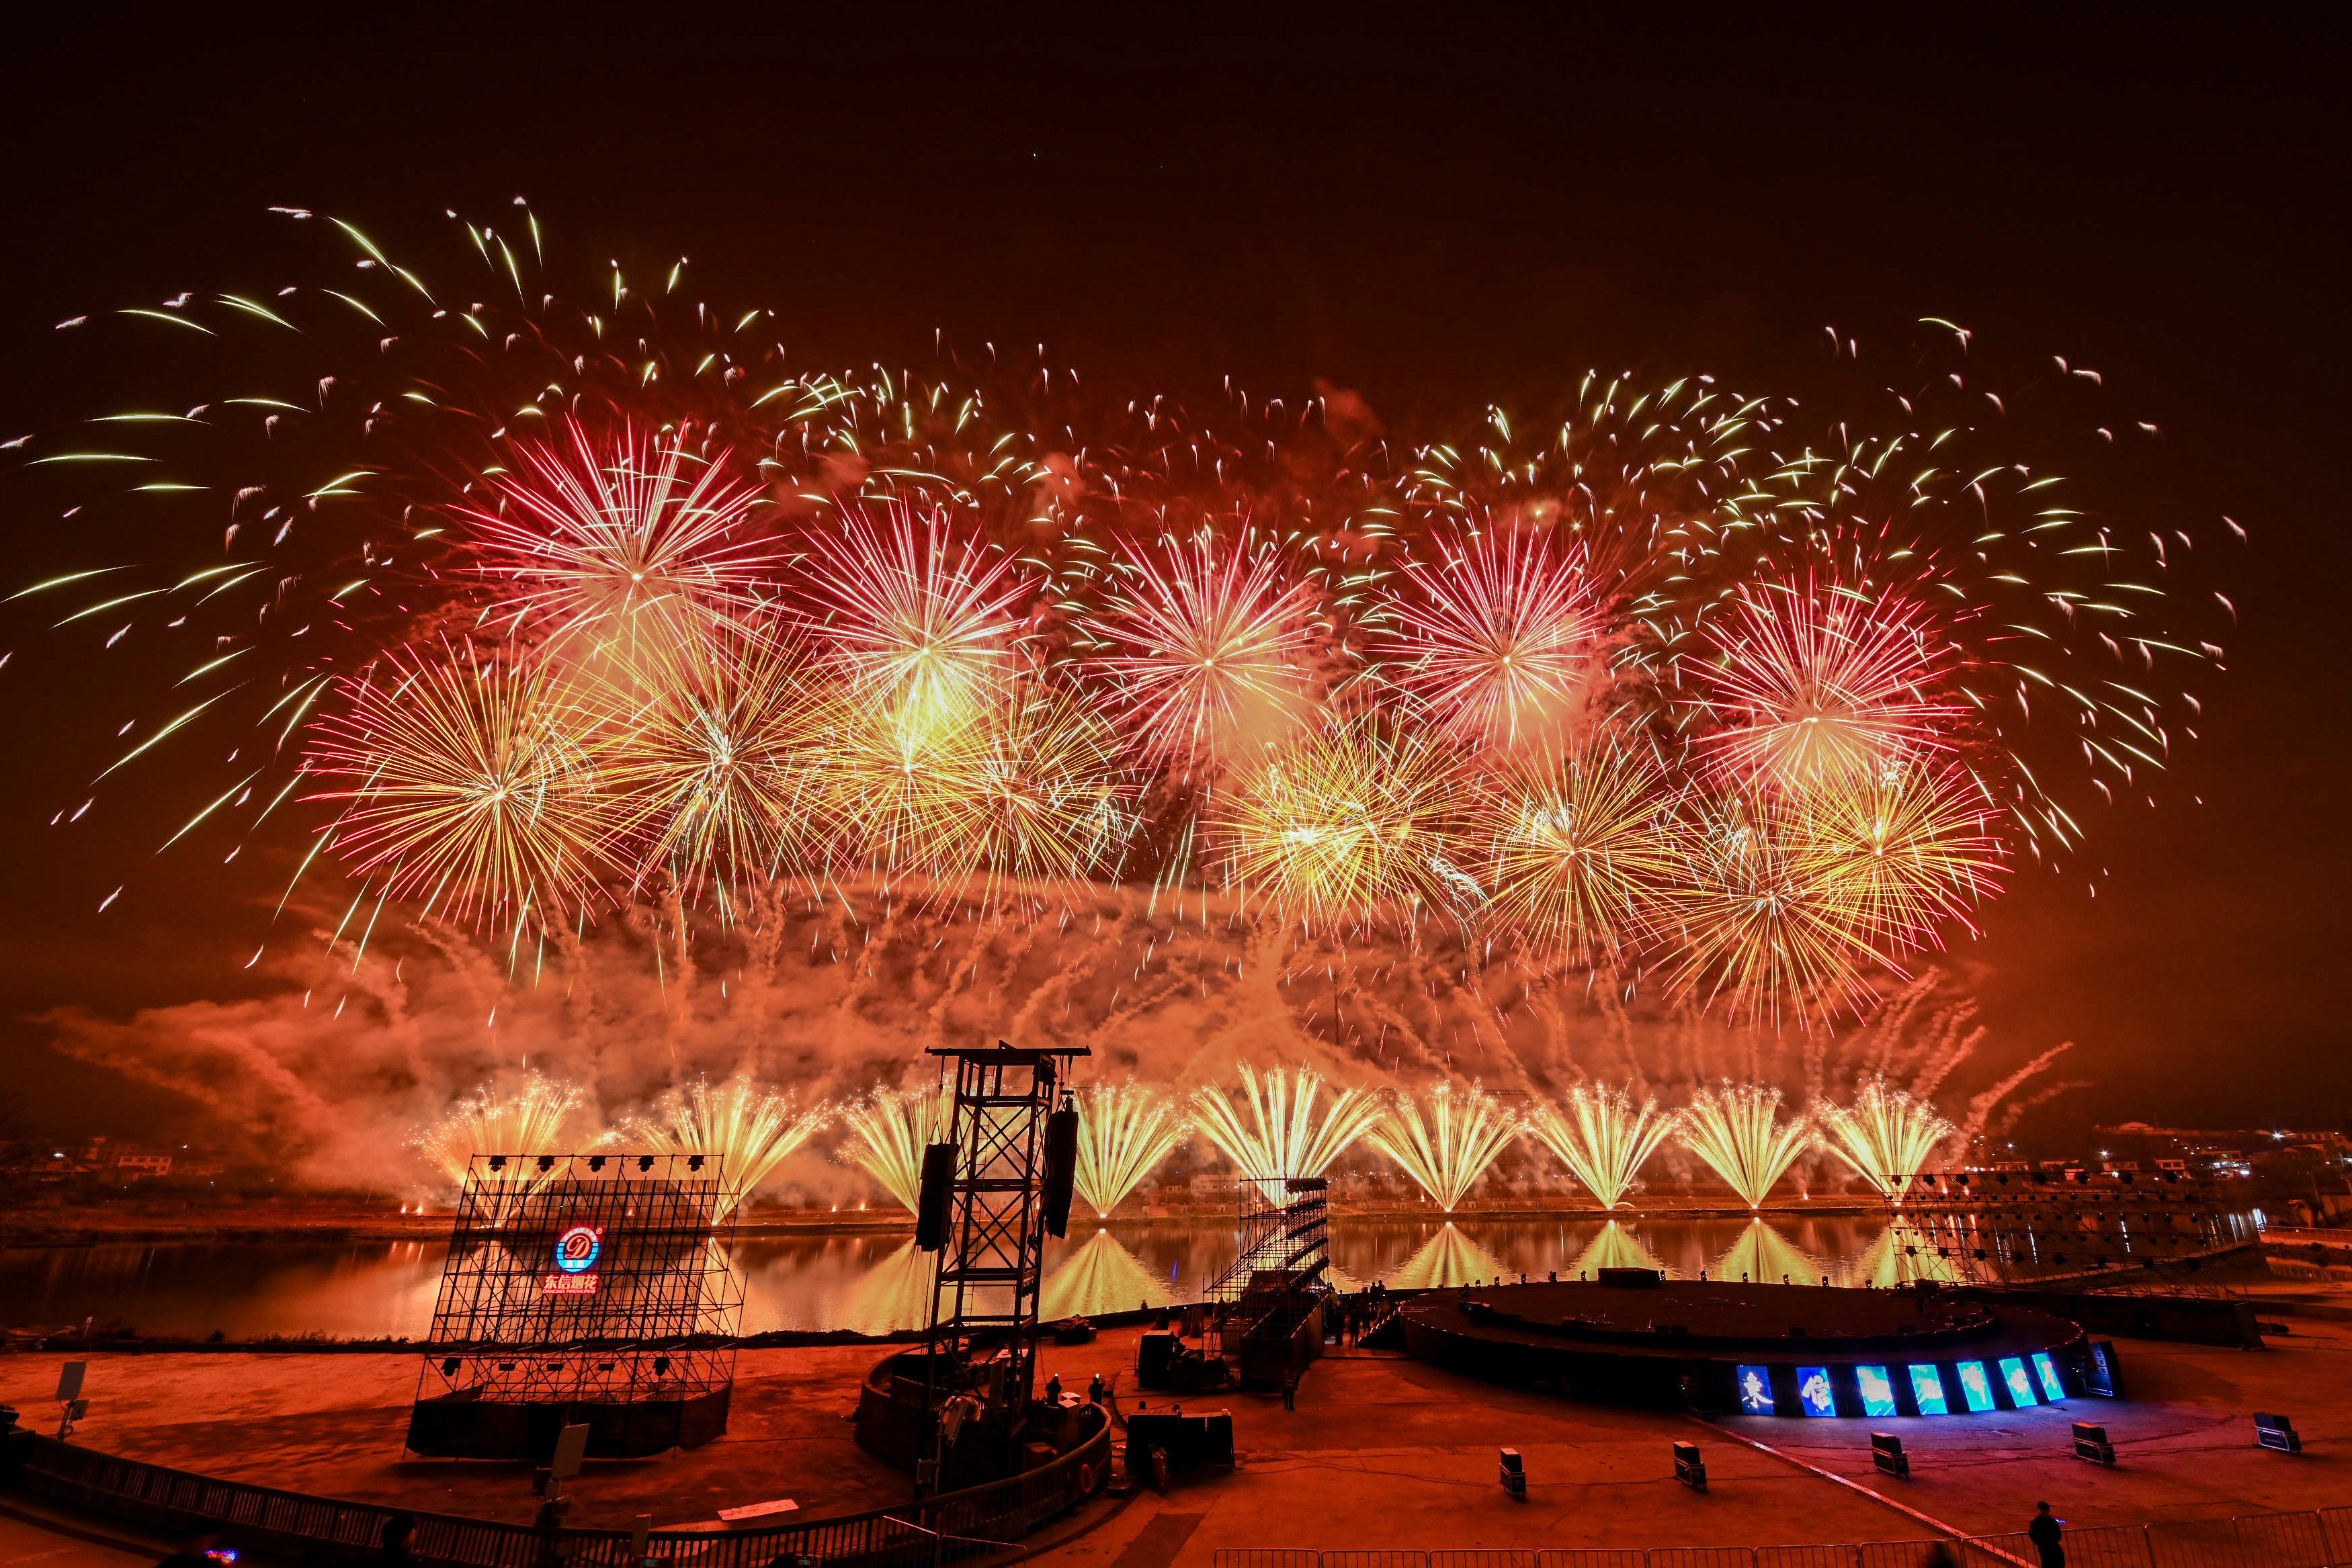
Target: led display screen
point(1877, 1390)
point(1755, 1390)
point(1975, 1387)
point(1813, 1391)
point(2020, 1382)
point(1928, 1391)
point(2047, 1370)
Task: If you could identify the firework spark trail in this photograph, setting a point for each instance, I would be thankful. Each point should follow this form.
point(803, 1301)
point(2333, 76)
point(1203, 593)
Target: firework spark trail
point(1603, 1136)
point(1735, 1130)
point(1283, 1136)
point(1887, 1136)
point(890, 1130)
point(752, 1130)
point(1446, 1141)
point(1124, 1130)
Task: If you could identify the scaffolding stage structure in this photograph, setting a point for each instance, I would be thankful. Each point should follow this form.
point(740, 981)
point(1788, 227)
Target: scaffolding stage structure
point(591, 1288)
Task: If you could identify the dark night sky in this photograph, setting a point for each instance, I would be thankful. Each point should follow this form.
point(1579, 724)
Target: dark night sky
point(1457, 208)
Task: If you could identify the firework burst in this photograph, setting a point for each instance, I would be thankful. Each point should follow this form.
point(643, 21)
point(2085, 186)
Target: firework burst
point(1815, 682)
point(1736, 1131)
point(530, 1122)
point(1446, 1140)
point(920, 617)
point(1603, 1136)
point(622, 539)
point(1501, 637)
point(1209, 651)
point(1886, 1134)
point(714, 773)
point(1346, 826)
point(1273, 1131)
point(1577, 851)
point(466, 786)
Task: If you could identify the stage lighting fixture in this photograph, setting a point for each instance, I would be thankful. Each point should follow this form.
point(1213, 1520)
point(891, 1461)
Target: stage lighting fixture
point(1755, 1390)
point(498, 1162)
point(1928, 1391)
point(450, 1365)
point(595, 1161)
point(547, 1162)
point(694, 1162)
point(1976, 1385)
point(645, 1162)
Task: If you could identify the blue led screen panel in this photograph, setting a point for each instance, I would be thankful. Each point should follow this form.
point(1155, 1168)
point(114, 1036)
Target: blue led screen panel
point(1877, 1390)
point(2052, 1389)
point(1928, 1391)
point(2019, 1381)
point(1813, 1391)
point(1976, 1386)
point(1756, 1391)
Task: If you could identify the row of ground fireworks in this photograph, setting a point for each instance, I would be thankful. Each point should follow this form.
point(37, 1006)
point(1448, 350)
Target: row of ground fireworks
point(1276, 1124)
point(548, 608)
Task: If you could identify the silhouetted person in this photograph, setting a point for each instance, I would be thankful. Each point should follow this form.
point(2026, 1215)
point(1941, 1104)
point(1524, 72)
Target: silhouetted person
point(1053, 1389)
point(189, 1551)
point(2044, 1534)
point(398, 1530)
point(1095, 1390)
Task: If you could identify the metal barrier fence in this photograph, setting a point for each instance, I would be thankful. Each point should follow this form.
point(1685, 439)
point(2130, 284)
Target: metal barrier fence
point(328, 1531)
point(2313, 1540)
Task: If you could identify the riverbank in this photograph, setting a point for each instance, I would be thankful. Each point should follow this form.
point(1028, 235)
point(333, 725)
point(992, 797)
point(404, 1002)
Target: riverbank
point(133, 1219)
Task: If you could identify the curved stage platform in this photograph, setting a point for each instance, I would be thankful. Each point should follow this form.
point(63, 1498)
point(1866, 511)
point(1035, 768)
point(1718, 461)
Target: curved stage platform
point(1764, 1350)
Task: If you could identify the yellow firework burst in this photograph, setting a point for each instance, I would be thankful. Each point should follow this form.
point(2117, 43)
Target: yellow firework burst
point(1577, 855)
point(714, 772)
point(1348, 825)
point(465, 784)
point(1907, 848)
point(752, 1129)
point(890, 1130)
point(1124, 1130)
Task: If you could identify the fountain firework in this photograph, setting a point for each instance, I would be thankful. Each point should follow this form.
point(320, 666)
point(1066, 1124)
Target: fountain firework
point(1603, 1137)
point(1735, 1130)
point(1124, 1130)
point(1446, 1140)
point(752, 1130)
point(1886, 1136)
point(890, 1130)
point(1282, 1135)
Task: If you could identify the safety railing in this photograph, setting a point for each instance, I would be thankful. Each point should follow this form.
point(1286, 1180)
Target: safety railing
point(2320, 1539)
point(332, 1531)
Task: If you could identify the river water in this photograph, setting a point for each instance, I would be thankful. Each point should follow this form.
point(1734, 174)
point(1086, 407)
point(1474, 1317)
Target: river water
point(874, 1284)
